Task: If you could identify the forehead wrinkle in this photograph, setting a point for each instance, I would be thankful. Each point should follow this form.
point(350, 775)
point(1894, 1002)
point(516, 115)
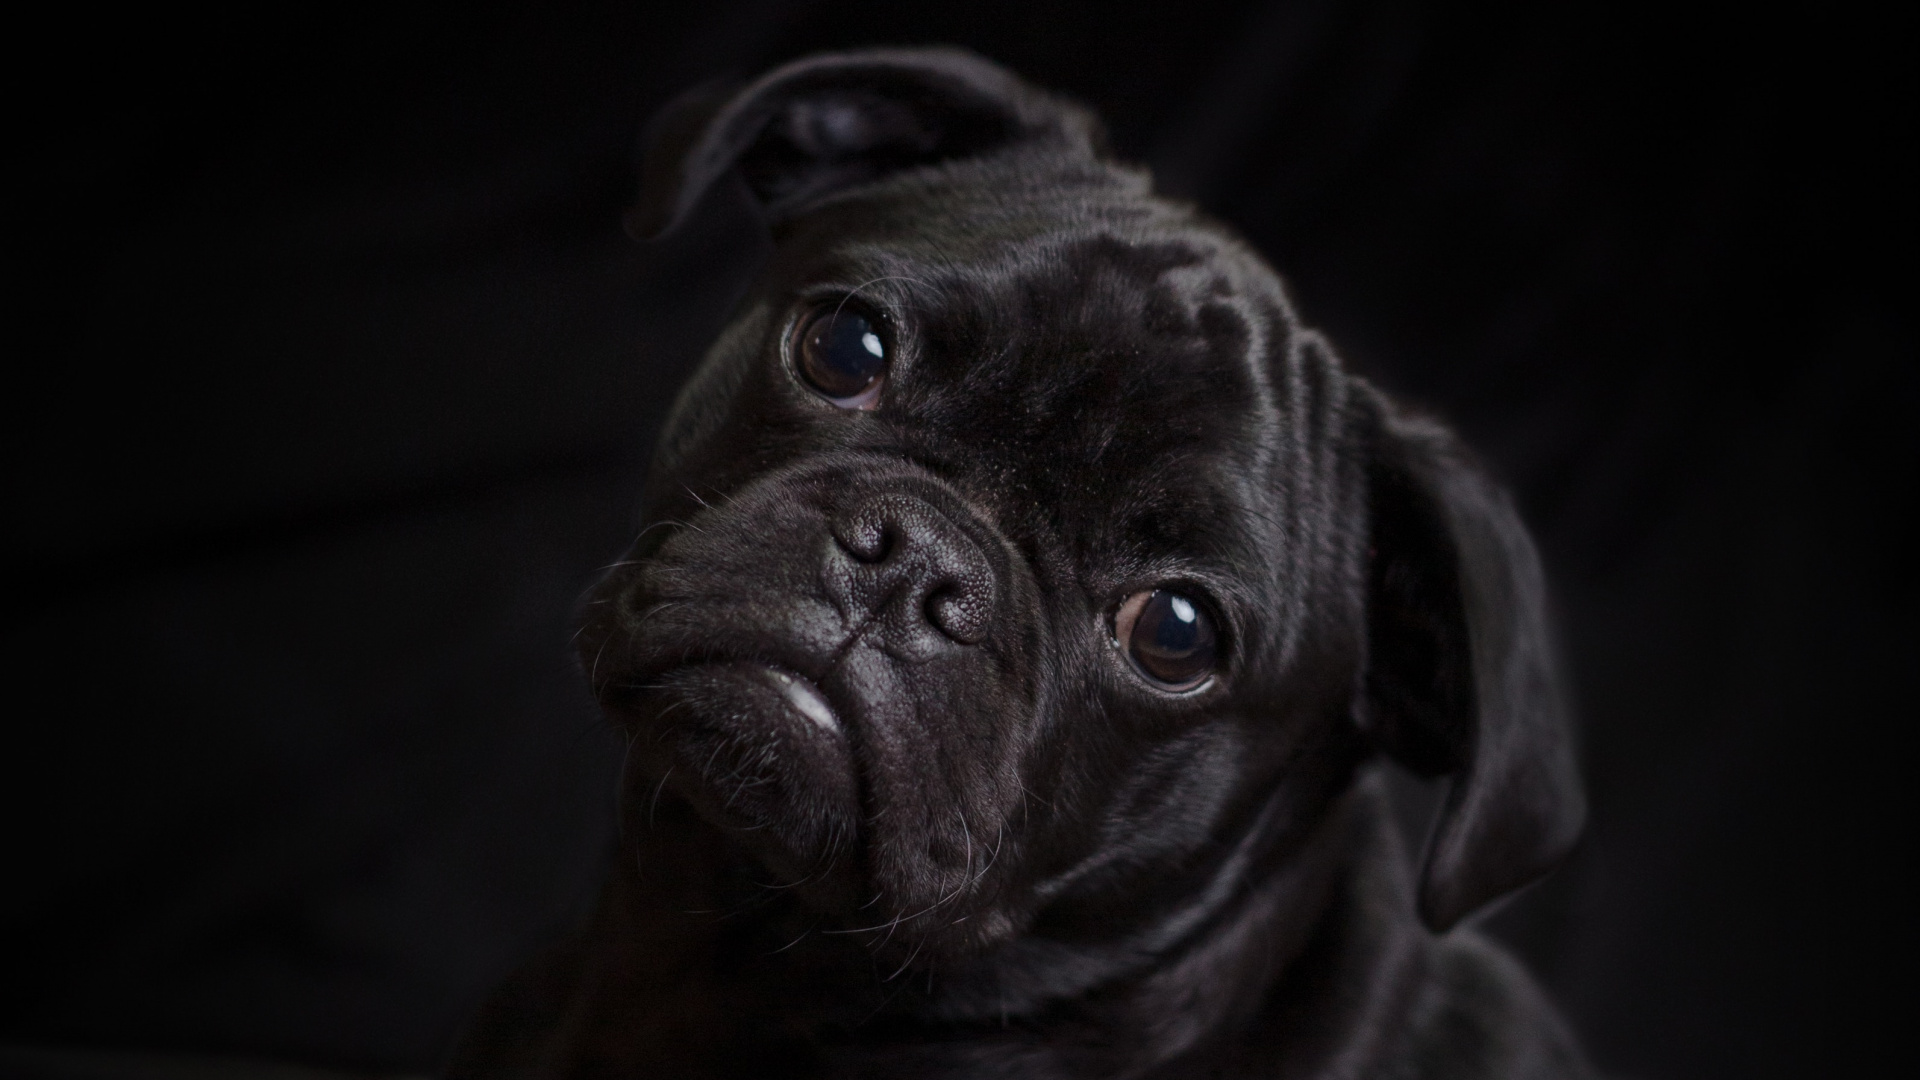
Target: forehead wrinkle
point(1067, 273)
point(976, 213)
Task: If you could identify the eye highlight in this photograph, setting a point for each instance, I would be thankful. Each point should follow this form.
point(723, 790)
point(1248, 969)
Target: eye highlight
point(1168, 636)
point(841, 351)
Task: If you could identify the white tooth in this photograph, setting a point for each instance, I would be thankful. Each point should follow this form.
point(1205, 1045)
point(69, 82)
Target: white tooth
point(809, 702)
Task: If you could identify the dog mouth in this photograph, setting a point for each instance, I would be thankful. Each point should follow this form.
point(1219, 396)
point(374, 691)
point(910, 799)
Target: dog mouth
point(757, 749)
point(806, 699)
point(841, 768)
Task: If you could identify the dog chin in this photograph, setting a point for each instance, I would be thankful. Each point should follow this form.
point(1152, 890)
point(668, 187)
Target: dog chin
point(762, 753)
point(759, 752)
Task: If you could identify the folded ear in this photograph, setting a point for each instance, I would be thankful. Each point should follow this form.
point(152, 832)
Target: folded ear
point(834, 120)
point(1461, 674)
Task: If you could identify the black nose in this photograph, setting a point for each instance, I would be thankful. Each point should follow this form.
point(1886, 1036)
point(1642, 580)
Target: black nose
point(907, 566)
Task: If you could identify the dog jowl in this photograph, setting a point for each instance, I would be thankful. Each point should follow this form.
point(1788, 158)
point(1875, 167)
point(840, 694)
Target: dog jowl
point(1025, 596)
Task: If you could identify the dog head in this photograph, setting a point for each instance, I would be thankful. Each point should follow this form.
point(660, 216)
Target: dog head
point(1016, 543)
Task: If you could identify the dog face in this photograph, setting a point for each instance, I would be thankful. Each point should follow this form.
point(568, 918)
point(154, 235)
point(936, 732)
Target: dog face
point(1016, 547)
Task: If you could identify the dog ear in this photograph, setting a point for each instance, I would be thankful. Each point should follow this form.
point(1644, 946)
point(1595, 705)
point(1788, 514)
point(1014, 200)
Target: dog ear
point(838, 119)
point(1461, 675)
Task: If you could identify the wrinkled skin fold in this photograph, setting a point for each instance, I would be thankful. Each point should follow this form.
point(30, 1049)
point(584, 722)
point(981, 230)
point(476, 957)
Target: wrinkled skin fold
point(897, 803)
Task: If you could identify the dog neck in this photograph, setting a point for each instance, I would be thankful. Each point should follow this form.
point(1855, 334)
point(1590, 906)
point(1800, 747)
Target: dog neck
point(1156, 990)
point(659, 984)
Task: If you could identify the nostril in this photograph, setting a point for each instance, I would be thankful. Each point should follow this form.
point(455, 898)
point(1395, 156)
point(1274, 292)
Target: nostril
point(959, 612)
point(867, 541)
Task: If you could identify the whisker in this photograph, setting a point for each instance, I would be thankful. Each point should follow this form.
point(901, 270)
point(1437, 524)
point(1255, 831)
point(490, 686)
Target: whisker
point(796, 941)
point(658, 788)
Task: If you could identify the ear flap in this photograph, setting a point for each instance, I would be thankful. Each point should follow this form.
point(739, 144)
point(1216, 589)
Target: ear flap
point(1461, 675)
point(835, 120)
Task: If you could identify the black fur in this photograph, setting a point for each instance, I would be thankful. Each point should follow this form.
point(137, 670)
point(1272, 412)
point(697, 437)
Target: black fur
point(1015, 857)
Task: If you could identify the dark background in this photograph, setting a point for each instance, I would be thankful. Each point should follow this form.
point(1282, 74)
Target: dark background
point(334, 379)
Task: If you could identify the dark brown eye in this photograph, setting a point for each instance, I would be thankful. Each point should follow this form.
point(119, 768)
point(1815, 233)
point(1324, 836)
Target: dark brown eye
point(1168, 636)
point(841, 351)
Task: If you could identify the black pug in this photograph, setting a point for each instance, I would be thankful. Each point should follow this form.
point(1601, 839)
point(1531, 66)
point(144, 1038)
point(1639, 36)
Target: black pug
point(1027, 594)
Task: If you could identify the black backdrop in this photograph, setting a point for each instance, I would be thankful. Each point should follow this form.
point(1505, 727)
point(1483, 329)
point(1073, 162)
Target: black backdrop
point(334, 377)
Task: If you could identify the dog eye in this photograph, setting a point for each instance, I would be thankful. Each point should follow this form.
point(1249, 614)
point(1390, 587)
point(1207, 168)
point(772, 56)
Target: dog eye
point(841, 352)
point(1167, 636)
